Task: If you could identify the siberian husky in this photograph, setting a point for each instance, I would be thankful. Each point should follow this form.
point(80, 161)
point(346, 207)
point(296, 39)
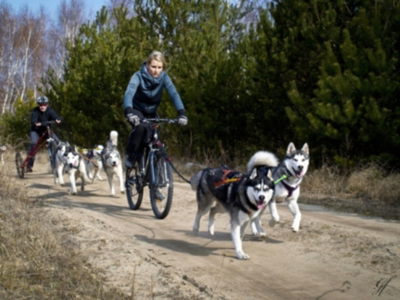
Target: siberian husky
point(94, 163)
point(288, 175)
point(60, 162)
point(243, 196)
point(111, 159)
point(76, 169)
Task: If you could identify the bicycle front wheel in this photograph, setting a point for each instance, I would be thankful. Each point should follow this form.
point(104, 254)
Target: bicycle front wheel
point(161, 190)
point(134, 188)
point(19, 163)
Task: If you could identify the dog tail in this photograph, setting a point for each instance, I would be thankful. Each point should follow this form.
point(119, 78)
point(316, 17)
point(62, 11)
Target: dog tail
point(195, 180)
point(262, 158)
point(114, 137)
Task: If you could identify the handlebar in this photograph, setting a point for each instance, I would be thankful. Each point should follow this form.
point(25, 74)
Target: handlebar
point(47, 123)
point(158, 120)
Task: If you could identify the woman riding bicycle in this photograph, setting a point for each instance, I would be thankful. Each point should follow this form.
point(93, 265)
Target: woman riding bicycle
point(141, 100)
point(40, 117)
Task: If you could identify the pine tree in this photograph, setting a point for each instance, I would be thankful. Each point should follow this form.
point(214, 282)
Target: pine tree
point(353, 111)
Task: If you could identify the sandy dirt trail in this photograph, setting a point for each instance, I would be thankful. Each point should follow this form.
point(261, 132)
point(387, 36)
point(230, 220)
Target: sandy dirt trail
point(333, 256)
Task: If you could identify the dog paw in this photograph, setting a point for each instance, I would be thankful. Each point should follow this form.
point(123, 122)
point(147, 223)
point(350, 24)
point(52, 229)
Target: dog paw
point(272, 223)
point(263, 235)
point(211, 230)
point(122, 192)
point(243, 256)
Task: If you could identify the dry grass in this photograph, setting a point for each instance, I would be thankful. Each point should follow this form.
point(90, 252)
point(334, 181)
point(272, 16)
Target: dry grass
point(367, 190)
point(37, 261)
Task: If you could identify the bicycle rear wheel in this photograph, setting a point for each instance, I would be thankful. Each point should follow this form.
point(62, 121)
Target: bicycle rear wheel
point(134, 188)
point(19, 163)
point(161, 191)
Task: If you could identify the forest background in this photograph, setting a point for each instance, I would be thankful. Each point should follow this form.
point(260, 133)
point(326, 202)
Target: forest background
point(252, 75)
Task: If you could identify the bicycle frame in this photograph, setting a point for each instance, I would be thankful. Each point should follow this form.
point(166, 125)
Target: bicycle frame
point(38, 146)
point(147, 163)
point(51, 144)
point(154, 171)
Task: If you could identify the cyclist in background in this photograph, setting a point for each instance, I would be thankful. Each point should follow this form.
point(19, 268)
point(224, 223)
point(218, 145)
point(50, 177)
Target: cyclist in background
point(39, 122)
point(141, 100)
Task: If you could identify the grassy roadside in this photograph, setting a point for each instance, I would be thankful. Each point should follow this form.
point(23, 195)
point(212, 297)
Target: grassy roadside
point(368, 190)
point(36, 260)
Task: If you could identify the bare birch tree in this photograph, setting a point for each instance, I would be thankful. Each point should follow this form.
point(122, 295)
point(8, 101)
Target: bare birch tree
point(70, 16)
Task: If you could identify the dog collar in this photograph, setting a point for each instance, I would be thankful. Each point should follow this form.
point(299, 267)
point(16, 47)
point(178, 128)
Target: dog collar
point(79, 163)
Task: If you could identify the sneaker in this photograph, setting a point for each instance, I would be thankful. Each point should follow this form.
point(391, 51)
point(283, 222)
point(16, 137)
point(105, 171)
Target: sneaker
point(130, 161)
point(29, 170)
point(158, 195)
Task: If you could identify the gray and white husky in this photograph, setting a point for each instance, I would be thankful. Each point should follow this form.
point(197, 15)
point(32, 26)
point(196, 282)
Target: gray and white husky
point(243, 196)
point(76, 169)
point(112, 163)
point(288, 175)
point(60, 162)
point(94, 164)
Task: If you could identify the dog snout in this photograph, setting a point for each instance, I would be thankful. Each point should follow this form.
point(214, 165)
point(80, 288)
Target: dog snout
point(261, 198)
point(70, 165)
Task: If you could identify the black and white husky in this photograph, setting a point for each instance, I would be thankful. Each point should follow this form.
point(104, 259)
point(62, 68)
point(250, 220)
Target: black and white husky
point(60, 162)
point(76, 169)
point(112, 163)
point(288, 175)
point(243, 196)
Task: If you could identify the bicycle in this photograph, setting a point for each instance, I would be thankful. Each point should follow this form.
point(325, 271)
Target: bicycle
point(51, 142)
point(153, 170)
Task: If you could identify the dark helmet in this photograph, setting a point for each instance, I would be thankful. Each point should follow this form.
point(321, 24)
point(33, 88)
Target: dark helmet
point(42, 100)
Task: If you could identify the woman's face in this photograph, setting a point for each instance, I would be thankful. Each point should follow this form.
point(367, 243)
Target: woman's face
point(155, 68)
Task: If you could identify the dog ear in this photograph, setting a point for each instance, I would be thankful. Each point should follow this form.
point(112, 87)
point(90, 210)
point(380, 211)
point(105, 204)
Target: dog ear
point(305, 149)
point(253, 174)
point(291, 148)
point(269, 175)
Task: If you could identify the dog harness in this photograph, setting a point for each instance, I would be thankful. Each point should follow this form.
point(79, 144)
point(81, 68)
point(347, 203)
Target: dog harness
point(221, 178)
point(228, 176)
point(289, 189)
point(90, 157)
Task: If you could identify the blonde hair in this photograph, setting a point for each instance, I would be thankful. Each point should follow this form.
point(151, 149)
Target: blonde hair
point(158, 56)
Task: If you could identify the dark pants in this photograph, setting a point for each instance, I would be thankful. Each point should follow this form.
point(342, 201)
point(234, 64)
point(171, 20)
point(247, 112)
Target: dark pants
point(34, 137)
point(139, 136)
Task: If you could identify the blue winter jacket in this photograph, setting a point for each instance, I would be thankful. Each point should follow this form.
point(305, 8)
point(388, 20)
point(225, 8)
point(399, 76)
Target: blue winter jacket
point(144, 92)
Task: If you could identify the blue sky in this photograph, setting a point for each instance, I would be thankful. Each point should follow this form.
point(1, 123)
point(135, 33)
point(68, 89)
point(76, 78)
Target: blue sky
point(51, 5)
